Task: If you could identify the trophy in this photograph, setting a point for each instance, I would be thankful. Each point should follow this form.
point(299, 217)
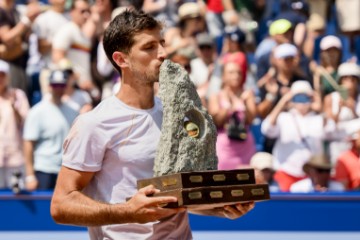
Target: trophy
point(185, 165)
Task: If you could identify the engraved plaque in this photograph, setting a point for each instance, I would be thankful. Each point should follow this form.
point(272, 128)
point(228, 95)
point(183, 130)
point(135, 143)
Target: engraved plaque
point(257, 191)
point(196, 179)
point(243, 176)
point(237, 193)
point(219, 177)
point(216, 194)
point(169, 182)
point(195, 195)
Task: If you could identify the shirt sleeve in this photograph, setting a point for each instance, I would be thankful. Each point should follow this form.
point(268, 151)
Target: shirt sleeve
point(271, 131)
point(32, 127)
point(84, 147)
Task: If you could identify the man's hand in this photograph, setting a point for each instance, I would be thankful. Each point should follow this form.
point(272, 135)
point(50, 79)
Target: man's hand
point(237, 210)
point(143, 208)
point(229, 211)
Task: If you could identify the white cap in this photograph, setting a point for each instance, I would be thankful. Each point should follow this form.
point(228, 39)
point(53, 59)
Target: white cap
point(330, 42)
point(262, 160)
point(285, 50)
point(301, 87)
point(189, 10)
point(4, 67)
point(349, 69)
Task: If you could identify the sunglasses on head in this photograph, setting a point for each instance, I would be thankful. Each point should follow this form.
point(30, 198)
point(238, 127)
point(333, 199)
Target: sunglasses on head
point(205, 47)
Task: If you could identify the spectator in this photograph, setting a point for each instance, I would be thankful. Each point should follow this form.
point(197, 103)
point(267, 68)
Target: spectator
point(299, 132)
point(44, 135)
point(13, 109)
point(202, 67)
point(14, 31)
point(233, 100)
point(348, 165)
point(191, 22)
point(71, 43)
point(318, 179)
point(330, 59)
point(263, 163)
point(344, 105)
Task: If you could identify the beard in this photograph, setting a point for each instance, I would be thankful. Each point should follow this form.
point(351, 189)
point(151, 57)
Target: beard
point(150, 76)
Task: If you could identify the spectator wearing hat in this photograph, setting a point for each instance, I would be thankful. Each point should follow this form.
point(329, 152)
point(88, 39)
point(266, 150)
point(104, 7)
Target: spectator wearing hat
point(299, 133)
point(343, 105)
point(347, 170)
point(277, 82)
point(14, 107)
point(232, 101)
point(263, 164)
point(318, 171)
point(203, 65)
point(191, 22)
point(280, 31)
point(330, 59)
point(43, 135)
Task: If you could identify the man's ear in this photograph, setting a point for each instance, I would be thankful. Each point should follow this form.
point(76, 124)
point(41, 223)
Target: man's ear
point(121, 59)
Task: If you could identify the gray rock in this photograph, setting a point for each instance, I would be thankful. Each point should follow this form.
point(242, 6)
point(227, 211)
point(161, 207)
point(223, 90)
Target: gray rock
point(177, 150)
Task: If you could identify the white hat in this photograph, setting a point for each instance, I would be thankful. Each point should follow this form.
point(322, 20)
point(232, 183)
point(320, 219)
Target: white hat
point(262, 160)
point(189, 10)
point(285, 50)
point(301, 87)
point(330, 42)
point(349, 69)
point(4, 67)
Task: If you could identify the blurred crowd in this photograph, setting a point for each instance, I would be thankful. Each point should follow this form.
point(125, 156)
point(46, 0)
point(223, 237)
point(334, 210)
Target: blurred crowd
point(280, 78)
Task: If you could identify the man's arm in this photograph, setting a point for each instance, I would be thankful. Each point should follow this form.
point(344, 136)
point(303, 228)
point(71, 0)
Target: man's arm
point(30, 179)
point(229, 211)
point(70, 206)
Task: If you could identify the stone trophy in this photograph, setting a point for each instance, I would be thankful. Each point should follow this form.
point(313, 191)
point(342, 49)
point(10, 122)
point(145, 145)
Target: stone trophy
point(186, 162)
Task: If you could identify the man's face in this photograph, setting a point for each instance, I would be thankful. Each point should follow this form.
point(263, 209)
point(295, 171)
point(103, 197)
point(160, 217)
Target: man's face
point(146, 56)
point(80, 13)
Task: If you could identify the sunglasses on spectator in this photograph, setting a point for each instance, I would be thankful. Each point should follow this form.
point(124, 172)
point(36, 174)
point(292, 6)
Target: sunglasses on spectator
point(205, 47)
point(58, 85)
point(83, 11)
point(321, 170)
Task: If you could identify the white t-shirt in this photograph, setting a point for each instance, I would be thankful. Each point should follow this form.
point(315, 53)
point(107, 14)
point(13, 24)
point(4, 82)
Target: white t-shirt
point(46, 25)
point(306, 186)
point(119, 142)
point(77, 45)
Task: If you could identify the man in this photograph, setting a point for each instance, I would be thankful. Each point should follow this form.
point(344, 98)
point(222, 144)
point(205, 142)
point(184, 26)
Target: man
point(114, 145)
point(73, 43)
point(318, 170)
point(46, 127)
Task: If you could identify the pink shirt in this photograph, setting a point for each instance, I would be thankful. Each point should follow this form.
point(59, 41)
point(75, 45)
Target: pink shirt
point(11, 154)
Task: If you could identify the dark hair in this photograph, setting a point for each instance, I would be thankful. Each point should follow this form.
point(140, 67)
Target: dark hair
point(119, 35)
point(72, 6)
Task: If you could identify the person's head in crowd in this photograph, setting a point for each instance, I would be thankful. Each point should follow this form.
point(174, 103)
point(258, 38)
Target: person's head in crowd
point(58, 4)
point(4, 76)
point(263, 163)
point(183, 57)
point(349, 78)
point(285, 58)
point(234, 67)
point(58, 82)
point(206, 47)
point(281, 31)
point(330, 51)
point(80, 12)
point(233, 39)
point(105, 5)
point(302, 96)
point(191, 20)
point(318, 169)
